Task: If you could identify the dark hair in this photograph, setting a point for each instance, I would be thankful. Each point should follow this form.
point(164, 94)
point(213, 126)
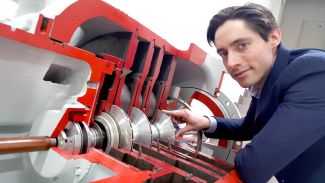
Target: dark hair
point(257, 17)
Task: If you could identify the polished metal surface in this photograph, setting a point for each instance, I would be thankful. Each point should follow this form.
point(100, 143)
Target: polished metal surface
point(165, 127)
point(181, 102)
point(112, 133)
point(141, 127)
point(124, 124)
point(86, 137)
point(155, 132)
point(125, 97)
point(228, 108)
point(70, 139)
point(152, 105)
point(97, 135)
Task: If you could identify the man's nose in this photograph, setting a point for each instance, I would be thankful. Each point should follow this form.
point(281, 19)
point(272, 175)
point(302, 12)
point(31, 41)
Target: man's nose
point(233, 60)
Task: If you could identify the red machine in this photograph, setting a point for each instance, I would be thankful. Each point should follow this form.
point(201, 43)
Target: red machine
point(82, 93)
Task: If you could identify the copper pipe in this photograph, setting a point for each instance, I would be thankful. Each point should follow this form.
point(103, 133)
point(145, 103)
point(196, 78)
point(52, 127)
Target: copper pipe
point(26, 144)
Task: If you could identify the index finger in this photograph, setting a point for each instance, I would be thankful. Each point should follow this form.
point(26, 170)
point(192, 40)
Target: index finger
point(177, 113)
point(167, 112)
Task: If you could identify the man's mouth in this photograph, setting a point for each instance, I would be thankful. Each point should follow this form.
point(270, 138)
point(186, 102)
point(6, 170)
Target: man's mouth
point(240, 73)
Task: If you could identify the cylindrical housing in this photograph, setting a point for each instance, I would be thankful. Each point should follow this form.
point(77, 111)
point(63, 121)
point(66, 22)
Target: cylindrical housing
point(26, 144)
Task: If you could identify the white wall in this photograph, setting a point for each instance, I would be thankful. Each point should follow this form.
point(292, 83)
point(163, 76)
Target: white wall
point(295, 13)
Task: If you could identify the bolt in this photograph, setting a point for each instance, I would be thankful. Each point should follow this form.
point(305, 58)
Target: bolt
point(188, 177)
point(156, 169)
point(77, 172)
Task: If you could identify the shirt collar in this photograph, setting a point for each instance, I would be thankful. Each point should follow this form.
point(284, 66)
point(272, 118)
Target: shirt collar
point(255, 92)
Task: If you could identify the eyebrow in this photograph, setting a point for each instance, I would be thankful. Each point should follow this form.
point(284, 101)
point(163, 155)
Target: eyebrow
point(239, 40)
point(235, 42)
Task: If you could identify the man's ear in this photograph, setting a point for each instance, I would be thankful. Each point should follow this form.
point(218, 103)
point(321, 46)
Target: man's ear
point(275, 37)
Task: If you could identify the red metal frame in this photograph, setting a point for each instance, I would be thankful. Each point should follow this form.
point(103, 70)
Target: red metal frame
point(163, 167)
point(150, 83)
point(124, 172)
point(106, 104)
point(127, 65)
point(162, 99)
point(232, 177)
point(214, 109)
point(144, 73)
point(41, 40)
point(194, 54)
point(51, 37)
point(100, 9)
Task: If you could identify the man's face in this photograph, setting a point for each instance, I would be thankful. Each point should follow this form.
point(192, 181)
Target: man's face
point(246, 55)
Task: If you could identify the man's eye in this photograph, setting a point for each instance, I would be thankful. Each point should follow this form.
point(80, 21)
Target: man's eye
point(223, 55)
point(242, 45)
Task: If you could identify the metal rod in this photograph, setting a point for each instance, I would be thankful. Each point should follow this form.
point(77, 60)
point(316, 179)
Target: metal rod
point(140, 150)
point(169, 146)
point(26, 144)
point(199, 141)
point(182, 102)
point(158, 145)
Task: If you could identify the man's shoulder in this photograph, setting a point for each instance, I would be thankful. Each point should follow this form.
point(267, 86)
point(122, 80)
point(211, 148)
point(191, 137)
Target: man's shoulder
point(306, 55)
point(306, 59)
point(303, 62)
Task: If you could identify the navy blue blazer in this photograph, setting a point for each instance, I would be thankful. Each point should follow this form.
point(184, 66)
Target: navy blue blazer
point(286, 125)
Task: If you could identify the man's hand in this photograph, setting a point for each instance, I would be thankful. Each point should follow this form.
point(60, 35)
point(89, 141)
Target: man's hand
point(193, 121)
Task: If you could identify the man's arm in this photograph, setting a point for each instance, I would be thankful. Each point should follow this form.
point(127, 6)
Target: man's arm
point(235, 129)
point(297, 124)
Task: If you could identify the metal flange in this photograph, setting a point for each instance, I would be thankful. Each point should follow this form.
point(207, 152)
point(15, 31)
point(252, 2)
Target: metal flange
point(165, 127)
point(111, 130)
point(141, 127)
point(70, 139)
point(123, 123)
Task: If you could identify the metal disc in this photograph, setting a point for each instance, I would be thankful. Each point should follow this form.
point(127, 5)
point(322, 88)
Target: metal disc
point(111, 129)
point(141, 127)
point(97, 135)
point(165, 127)
point(70, 139)
point(124, 124)
point(154, 132)
point(86, 140)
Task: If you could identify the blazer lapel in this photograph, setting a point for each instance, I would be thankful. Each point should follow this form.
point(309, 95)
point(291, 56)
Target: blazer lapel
point(280, 63)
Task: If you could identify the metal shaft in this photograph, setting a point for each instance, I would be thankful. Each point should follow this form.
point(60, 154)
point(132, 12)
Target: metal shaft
point(26, 144)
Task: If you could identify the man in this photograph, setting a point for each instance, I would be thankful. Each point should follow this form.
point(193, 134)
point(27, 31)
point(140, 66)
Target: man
point(286, 119)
